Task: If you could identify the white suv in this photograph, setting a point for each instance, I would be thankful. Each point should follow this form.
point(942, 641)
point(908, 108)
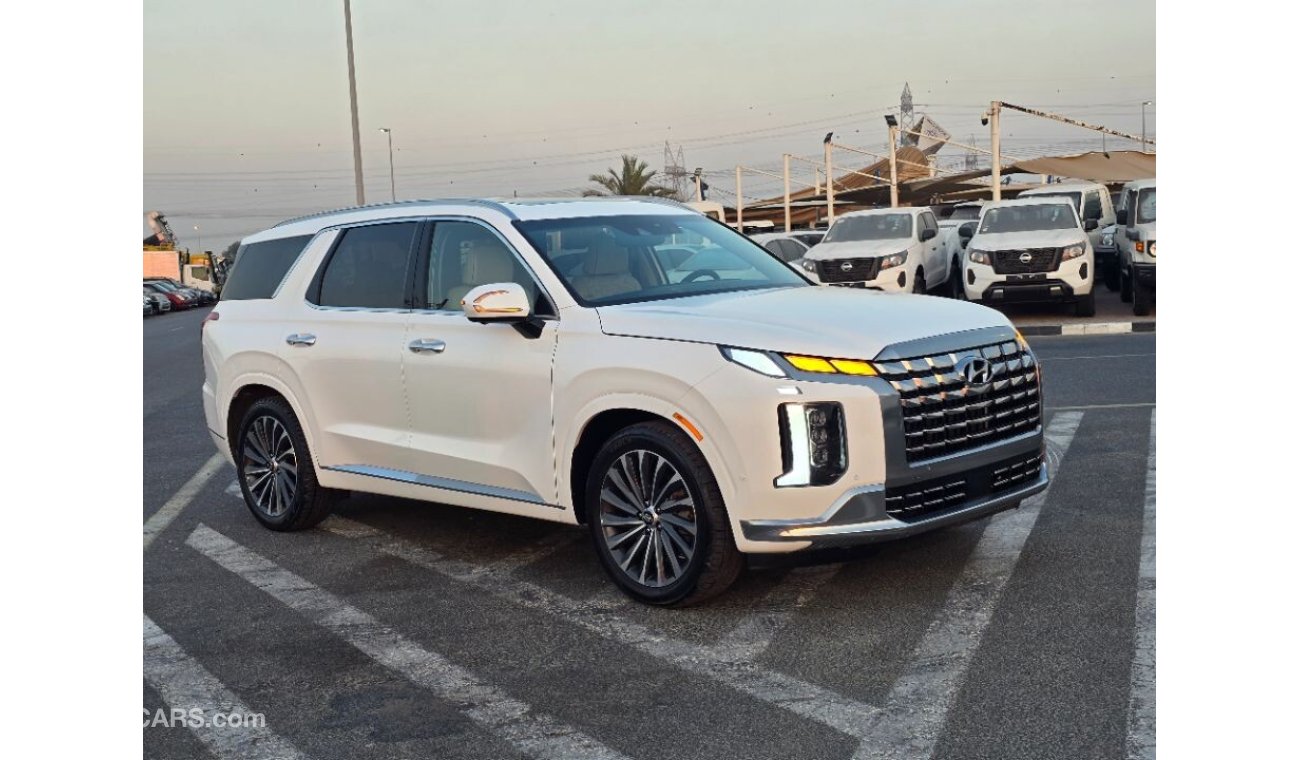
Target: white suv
point(626, 364)
point(1034, 249)
point(1137, 245)
point(890, 249)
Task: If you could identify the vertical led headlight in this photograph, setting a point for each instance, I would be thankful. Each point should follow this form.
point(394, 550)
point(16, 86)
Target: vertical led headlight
point(812, 444)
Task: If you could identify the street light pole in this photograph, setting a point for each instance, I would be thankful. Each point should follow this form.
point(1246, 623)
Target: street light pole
point(699, 184)
point(200, 237)
point(740, 205)
point(995, 110)
point(352, 94)
point(1145, 103)
point(893, 159)
point(830, 179)
point(785, 174)
point(392, 182)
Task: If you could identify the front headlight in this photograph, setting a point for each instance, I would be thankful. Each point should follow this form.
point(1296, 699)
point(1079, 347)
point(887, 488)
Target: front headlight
point(892, 261)
point(753, 360)
point(1108, 239)
point(1151, 247)
point(978, 256)
point(808, 265)
point(1071, 252)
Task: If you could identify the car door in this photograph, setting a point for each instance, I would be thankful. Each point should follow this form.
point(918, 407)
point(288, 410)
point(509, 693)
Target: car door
point(480, 394)
point(345, 345)
point(932, 250)
point(1093, 209)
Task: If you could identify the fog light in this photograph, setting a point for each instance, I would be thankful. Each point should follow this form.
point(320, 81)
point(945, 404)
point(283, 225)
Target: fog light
point(902, 279)
point(1083, 270)
point(970, 276)
point(812, 444)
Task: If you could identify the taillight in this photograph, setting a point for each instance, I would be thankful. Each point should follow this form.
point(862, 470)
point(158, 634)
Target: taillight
point(212, 316)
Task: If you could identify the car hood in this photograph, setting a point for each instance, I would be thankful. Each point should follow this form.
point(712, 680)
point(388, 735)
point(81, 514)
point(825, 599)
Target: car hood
point(858, 249)
point(822, 321)
point(1002, 241)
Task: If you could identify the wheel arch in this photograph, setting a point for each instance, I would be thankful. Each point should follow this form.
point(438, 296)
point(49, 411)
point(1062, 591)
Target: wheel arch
point(247, 391)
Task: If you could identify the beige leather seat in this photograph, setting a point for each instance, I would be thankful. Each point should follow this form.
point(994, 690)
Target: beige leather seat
point(605, 270)
point(484, 262)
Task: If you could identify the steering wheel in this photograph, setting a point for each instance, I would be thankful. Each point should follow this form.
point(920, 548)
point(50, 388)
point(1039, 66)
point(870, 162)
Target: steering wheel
point(698, 273)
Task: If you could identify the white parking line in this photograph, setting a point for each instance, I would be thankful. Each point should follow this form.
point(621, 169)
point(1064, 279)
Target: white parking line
point(787, 692)
point(914, 714)
point(1097, 328)
point(533, 734)
point(1086, 407)
point(159, 520)
point(185, 684)
point(1142, 699)
point(753, 635)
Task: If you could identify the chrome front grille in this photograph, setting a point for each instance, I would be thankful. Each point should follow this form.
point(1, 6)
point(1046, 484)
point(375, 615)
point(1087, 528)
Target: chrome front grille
point(1026, 260)
point(943, 415)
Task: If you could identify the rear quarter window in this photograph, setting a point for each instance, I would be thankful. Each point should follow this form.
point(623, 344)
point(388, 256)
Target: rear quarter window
point(259, 268)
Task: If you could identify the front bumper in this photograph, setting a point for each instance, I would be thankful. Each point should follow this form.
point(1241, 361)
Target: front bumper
point(1145, 274)
point(892, 280)
point(1070, 280)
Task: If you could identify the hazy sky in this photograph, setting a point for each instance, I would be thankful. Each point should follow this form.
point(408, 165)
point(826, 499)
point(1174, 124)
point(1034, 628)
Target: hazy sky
point(246, 116)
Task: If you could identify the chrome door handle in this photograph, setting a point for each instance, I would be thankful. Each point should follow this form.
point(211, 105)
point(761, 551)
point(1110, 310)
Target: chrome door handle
point(301, 339)
point(428, 346)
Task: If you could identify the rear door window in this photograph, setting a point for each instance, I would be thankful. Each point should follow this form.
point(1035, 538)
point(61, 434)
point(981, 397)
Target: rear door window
point(369, 268)
point(259, 268)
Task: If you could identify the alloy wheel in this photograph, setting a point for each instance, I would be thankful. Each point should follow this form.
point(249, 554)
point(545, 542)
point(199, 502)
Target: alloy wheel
point(270, 466)
point(648, 519)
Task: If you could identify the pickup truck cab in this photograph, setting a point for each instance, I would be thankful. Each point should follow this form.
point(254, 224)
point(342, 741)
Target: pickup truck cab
point(1032, 249)
point(889, 249)
point(625, 365)
point(1136, 241)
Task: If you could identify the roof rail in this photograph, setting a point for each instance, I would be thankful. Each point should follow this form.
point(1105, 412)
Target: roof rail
point(495, 205)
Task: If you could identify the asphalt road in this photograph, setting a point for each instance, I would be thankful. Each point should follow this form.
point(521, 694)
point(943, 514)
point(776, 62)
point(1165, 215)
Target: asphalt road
point(402, 629)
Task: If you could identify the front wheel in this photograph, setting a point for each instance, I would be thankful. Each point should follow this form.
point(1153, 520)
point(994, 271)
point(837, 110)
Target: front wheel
point(918, 282)
point(1142, 297)
point(1086, 306)
point(657, 519)
point(275, 470)
point(956, 288)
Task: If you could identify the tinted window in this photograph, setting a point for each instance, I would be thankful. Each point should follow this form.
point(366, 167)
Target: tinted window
point(369, 267)
point(775, 247)
point(260, 267)
point(464, 255)
point(793, 250)
point(1092, 205)
point(1146, 206)
point(928, 222)
point(965, 213)
point(872, 227)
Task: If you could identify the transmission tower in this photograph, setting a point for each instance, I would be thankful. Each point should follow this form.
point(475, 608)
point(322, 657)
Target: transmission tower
point(675, 173)
point(972, 159)
point(906, 117)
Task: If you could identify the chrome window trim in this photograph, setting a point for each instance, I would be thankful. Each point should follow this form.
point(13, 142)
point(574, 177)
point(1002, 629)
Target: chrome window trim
point(532, 273)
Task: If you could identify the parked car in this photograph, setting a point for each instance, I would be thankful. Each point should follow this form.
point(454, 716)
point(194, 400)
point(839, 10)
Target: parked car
point(178, 298)
point(809, 237)
point(1137, 246)
point(891, 249)
point(784, 245)
point(1032, 249)
point(1107, 252)
point(161, 304)
point(148, 306)
point(546, 361)
point(200, 296)
point(951, 218)
point(1091, 201)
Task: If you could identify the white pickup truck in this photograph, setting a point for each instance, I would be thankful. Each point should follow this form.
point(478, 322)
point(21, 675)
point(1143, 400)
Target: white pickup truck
point(1136, 245)
point(889, 249)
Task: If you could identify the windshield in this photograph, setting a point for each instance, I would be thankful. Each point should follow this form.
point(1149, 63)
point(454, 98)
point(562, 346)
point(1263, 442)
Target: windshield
point(1039, 216)
point(873, 227)
point(607, 260)
point(964, 214)
point(1076, 199)
point(1146, 204)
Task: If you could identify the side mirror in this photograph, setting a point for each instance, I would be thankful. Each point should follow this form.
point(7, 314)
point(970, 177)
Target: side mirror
point(928, 233)
point(1089, 225)
point(966, 231)
point(498, 302)
point(1121, 216)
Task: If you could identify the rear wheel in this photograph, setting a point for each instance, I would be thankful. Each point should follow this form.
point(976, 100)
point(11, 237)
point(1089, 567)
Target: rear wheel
point(657, 519)
point(275, 471)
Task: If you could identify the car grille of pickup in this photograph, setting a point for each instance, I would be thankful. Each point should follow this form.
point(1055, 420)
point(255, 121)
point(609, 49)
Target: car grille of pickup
point(859, 270)
point(943, 415)
point(917, 501)
point(1040, 260)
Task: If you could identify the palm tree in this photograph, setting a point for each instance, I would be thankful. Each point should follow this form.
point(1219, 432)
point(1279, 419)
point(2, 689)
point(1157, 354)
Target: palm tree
point(632, 179)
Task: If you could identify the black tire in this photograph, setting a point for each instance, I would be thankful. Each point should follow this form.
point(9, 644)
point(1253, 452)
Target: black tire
point(293, 502)
point(713, 562)
point(956, 288)
point(1126, 286)
point(918, 282)
point(1142, 297)
point(1111, 277)
point(1086, 306)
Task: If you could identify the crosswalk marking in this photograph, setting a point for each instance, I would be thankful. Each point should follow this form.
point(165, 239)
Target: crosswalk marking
point(1142, 700)
point(185, 684)
point(787, 692)
point(909, 724)
point(159, 520)
point(532, 733)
